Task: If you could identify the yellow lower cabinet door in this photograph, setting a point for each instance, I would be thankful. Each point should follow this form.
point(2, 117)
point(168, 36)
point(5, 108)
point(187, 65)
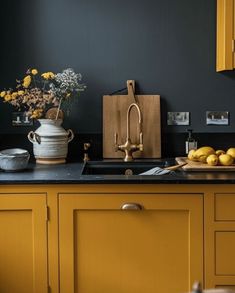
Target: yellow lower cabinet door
point(150, 243)
point(23, 243)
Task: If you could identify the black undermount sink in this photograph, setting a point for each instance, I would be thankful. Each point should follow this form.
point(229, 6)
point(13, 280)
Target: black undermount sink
point(123, 168)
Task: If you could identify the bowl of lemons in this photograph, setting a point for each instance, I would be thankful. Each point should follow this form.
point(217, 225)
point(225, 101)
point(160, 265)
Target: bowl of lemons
point(212, 157)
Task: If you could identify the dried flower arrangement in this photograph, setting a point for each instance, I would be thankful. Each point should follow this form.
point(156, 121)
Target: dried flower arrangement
point(36, 93)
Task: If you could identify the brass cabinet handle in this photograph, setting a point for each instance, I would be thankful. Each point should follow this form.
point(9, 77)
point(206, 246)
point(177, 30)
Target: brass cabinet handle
point(131, 206)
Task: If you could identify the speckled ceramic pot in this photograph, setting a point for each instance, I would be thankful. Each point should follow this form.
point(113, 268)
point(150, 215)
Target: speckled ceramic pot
point(14, 159)
point(50, 142)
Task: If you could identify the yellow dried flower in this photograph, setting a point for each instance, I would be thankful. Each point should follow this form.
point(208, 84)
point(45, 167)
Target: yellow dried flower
point(14, 95)
point(2, 94)
point(27, 81)
point(37, 113)
point(48, 75)
point(7, 97)
point(20, 93)
point(34, 71)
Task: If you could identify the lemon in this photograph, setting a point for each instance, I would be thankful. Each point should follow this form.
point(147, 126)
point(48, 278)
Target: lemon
point(231, 152)
point(212, 160)
point(202, 158)
point(190, 155)
point(225, 159)
point(219, 152)
point(202, 153)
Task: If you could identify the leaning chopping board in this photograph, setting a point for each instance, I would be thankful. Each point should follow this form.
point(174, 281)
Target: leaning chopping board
point(115, 122)
point(198, 166)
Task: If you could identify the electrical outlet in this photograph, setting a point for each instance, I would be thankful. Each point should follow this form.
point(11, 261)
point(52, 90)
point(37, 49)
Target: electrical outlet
point(178, 118)
point(217, 118)
point(20, 119)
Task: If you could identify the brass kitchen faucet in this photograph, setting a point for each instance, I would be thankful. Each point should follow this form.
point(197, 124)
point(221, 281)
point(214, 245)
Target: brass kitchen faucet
point(128, 147)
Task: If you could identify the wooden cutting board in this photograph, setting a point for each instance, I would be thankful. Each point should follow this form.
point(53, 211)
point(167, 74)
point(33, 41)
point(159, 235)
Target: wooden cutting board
point(115, 121)
point(198, 166)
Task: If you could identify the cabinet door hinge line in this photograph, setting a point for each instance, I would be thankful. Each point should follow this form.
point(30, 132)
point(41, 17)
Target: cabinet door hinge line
point(47, 213)
point(233, 45)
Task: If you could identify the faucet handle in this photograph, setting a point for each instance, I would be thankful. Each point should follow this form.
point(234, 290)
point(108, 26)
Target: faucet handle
point(141, 145)
point(116, 147)
point(141, 137)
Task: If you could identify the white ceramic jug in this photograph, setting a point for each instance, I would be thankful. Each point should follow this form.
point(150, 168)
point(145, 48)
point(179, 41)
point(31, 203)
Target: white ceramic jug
point(50, 142)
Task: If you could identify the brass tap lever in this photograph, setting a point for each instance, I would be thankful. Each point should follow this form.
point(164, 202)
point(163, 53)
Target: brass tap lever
point(86, 146)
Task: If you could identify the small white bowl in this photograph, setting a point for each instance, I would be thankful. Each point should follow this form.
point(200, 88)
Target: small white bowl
point(14, 159)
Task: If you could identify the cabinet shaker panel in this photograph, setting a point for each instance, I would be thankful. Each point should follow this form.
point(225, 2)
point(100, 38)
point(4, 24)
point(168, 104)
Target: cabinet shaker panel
point(23, 243)
point(106, 248)
point(224, 252)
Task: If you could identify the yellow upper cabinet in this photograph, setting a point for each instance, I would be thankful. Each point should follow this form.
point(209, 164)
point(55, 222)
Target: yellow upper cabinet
point(225, 59)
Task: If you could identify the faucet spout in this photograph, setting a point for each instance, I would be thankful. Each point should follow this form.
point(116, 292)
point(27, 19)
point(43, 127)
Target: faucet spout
point(128, 119)
point(128, 147)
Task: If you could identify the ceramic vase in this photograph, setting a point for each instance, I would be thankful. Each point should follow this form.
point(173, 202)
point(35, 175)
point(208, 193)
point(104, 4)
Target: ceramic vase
point(50, 142)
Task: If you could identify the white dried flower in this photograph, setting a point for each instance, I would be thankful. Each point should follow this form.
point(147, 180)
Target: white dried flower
point(66, 83)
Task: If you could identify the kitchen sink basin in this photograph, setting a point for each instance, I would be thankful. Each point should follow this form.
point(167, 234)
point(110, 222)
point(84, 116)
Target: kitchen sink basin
point(122, 168)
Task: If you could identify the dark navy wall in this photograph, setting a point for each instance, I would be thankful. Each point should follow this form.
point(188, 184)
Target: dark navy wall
point(167, 46)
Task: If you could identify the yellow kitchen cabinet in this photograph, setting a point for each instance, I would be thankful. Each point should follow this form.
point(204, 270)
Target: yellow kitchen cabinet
point(225, 58)
point(85, 242)
point(220, 238)
point(23, 243)
point(118, 241)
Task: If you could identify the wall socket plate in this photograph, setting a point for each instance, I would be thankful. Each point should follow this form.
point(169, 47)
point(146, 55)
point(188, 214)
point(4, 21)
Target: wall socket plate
point(21, 119)
point(178, 118)
point(217, 118)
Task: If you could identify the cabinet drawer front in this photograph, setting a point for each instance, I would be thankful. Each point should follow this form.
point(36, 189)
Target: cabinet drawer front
point(224, 253)
point(225, 206)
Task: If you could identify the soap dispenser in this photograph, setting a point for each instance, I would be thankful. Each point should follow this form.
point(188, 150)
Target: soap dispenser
point(190, 143)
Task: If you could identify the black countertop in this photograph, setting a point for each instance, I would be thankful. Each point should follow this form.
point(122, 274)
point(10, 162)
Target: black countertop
point(71, 173)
